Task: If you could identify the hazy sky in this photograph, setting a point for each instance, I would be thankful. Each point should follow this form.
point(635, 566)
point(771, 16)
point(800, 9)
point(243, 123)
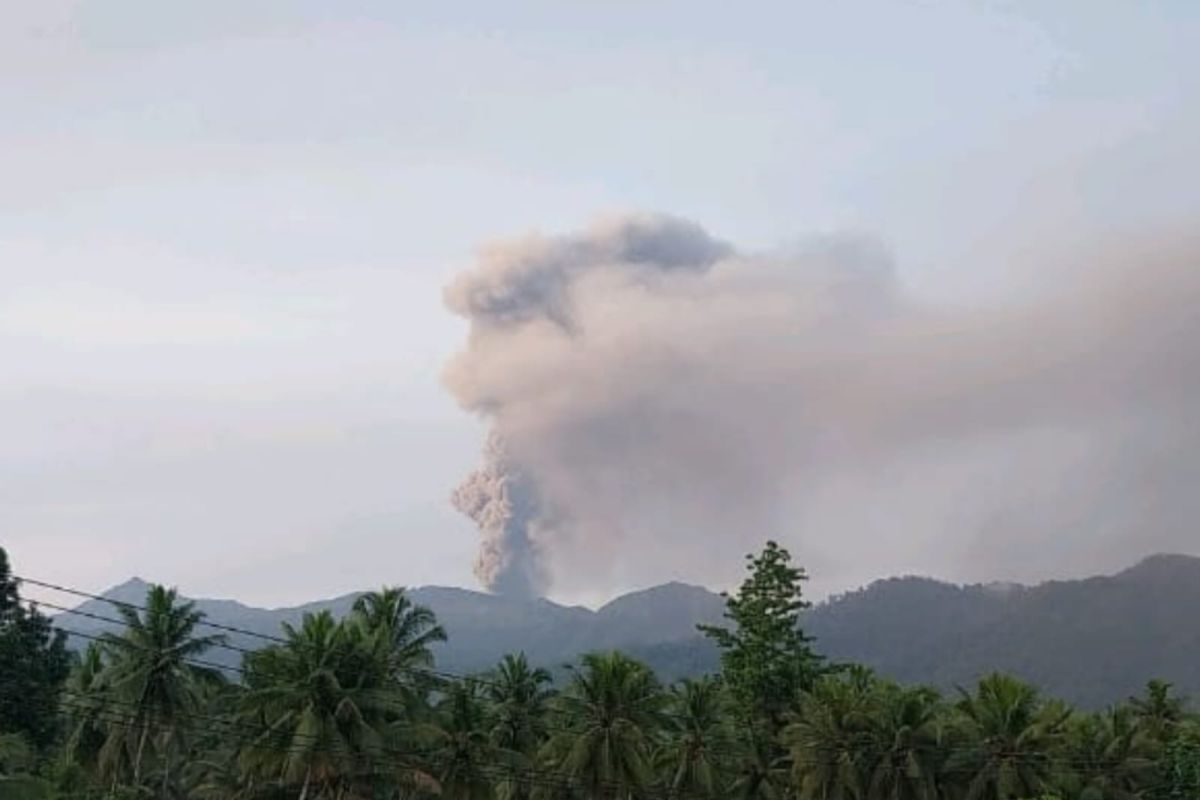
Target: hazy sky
point(225, 228)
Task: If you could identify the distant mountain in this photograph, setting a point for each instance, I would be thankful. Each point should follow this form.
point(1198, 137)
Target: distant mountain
point(1091, 641)
point(657, 624)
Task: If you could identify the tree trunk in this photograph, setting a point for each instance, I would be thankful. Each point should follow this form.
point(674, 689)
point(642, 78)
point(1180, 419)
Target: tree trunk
point(166, 763)
point(137, 759)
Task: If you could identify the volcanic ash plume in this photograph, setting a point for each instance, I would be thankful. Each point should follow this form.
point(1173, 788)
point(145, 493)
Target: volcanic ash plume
point(527, 286)
point(502, 502)
point(661, 403)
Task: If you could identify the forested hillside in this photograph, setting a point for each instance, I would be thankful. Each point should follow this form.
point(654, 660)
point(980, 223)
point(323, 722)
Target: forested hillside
point(359, 708)
point(1089, 641)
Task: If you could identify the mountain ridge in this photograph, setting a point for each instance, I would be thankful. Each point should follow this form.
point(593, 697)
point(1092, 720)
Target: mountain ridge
point(1091, 640)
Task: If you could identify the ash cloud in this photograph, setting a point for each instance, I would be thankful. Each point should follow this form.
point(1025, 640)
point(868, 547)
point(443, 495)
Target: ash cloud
point(660, 402)
point(503, 502)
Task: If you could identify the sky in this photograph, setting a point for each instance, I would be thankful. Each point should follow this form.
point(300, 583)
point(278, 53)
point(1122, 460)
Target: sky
point(226, 227)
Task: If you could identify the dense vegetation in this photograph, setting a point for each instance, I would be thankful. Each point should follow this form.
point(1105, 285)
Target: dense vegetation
point(1092, 642)
point(354, 709)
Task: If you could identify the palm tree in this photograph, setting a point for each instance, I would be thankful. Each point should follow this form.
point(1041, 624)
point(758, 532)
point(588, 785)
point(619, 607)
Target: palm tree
point(1158, 713)
point(150, 671)
point(465, 753)
point(694, 756)
point(759, 773)
point(321, 720)
point(1009, 741)
point(828, 738)
point(519, 695)
point(610, 717)
point(906, 734)
point(87, 729)
point(1112, 757)
point(403, 632)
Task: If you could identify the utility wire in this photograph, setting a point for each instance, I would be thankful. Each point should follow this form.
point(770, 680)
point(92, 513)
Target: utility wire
point(257, 738)
point(431, 672)
point(429, 756)
point(441, 674)
point(949, 753)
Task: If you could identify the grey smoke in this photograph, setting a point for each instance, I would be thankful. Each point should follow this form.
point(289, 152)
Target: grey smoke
point(660, 402)
point(503, 502)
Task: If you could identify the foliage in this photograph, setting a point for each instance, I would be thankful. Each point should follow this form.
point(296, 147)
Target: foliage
point(696, 754)
point(766, 657)
point(152, 677)
point(352, 709)
point(35, 664)
point(1008, 740)
point(608, 718)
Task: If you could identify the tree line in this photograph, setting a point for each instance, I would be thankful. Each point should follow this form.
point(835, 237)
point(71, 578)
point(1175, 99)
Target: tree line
point(354, 709)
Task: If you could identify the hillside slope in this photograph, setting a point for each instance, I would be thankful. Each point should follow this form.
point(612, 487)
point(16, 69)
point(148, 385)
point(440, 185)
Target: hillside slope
point(1091, 641)
point(481, 627)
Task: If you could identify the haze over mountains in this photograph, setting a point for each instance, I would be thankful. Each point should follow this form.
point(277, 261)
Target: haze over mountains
point(1091, 641)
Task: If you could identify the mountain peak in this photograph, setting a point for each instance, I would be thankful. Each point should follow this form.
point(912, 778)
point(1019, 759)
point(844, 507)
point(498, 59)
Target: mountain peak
point(1162, 566)
point(134, 584)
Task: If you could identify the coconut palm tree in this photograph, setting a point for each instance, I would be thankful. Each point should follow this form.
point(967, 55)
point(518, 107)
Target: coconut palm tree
point(151, 675)
point(320, 719)
point(828, 738)
point(907, 743)
point(403, 631)
point(1009, 741)
point(1158, 712)
point(1111, 757)
point(519, 695)
point(85, 704)
point(464, 757)
point(610, 716)
point(759, 772)
point(694, 755)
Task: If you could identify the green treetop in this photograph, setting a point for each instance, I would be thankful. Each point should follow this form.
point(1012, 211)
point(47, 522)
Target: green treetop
point(766, 657)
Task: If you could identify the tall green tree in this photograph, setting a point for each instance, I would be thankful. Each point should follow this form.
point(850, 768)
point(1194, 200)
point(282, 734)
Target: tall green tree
point(766, 658)
point(34, 664)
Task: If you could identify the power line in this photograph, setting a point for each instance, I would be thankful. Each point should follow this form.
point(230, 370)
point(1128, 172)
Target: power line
point(429, 671)
point(947, 753)
point(102, 618)
point(434, 756)
point(429, 757)
point(88, 595)
point(192, 661)
point(441, 674)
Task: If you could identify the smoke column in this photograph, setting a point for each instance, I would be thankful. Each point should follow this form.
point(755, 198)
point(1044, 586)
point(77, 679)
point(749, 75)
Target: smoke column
point(527, 284)
point(503, 503)
point(660, 403)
